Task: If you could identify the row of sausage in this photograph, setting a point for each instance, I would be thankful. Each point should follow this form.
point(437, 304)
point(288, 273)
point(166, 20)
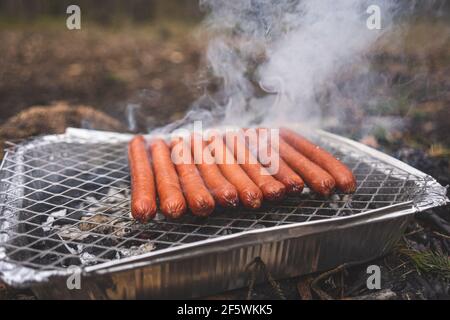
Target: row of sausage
point(235, 175)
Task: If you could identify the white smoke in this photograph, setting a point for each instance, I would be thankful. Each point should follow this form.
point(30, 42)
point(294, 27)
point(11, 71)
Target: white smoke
point(273, 58)
point(331, 35)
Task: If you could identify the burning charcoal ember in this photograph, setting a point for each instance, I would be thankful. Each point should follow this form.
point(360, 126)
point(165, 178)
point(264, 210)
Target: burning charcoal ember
point(99, 222)
point(70, 249)
point(121, 229)
point(47, 225)
point(112, 211)
point(85, 257)
point(71, 233)
point(91, 199)
point(78, 250)
point(136, 250)
point(114, 196)
point(104, 224)
point(88, 259)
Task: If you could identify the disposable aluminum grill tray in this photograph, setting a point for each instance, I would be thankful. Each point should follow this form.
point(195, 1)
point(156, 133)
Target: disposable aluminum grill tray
point(64, 203)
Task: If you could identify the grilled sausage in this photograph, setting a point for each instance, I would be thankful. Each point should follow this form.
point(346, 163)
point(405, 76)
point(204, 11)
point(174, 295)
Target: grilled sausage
point(314, 176)
point(222, 190)
point(249, 193)
point(199, 200)
point(292, 181)
point(345, 180)
point(143, 194)
point(272, 189)
point(171, 199)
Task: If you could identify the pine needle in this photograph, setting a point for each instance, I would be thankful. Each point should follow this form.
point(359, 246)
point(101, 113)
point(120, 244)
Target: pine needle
point(430, 262)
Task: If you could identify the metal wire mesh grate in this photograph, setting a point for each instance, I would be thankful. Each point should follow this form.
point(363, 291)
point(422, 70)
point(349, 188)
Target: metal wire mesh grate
point(65, 201)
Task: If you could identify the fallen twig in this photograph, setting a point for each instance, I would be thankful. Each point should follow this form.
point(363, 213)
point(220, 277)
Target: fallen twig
point(315, 283)
point(441, 235)
point(414, 232)
point(304, 288)
point(253, 268)
point(385, 294)
point(441, 224)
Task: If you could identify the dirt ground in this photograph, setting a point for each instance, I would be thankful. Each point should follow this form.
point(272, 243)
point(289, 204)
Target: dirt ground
point(51, 79)
point(106, 69)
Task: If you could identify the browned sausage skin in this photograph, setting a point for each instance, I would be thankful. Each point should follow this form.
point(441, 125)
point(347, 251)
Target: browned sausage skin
point(292, 181)
point(199, 199)
point(272, 189)
point(345, 180)
point(249, 193)
point(143, 194)
point(314, 176)
point(222, 190)
point(171, 199)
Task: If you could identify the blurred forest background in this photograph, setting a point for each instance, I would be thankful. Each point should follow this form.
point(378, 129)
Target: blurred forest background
point(126, 52)
point(139, 64)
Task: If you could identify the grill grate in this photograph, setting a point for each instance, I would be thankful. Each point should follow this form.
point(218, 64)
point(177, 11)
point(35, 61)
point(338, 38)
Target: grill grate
point(65, 201)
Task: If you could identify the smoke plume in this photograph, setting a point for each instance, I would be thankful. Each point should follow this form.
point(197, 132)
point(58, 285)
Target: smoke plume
point(274, 60)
